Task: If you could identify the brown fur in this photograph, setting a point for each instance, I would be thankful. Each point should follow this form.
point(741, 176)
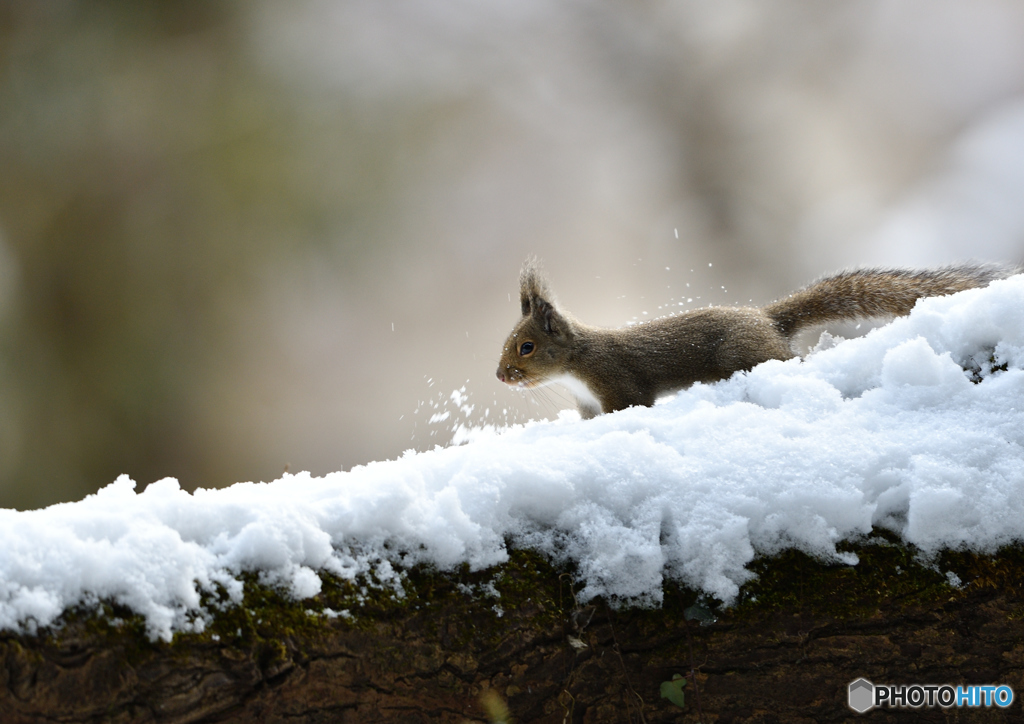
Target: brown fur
point(610, 369)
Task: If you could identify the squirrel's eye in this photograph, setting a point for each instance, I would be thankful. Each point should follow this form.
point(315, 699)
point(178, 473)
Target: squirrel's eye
point(526, 349)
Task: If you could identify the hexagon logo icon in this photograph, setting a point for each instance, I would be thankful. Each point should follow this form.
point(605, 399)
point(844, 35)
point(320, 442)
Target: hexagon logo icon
point(861, 695)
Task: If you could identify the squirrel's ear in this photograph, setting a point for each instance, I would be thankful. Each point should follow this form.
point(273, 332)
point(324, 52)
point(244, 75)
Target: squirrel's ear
point(533, 289)
point(547, 316)
point(536, 299)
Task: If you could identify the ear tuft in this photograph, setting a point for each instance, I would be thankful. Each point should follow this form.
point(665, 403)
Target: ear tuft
point(533, 288)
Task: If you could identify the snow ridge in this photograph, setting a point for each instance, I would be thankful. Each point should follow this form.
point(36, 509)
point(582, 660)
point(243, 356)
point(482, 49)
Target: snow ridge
point(917, 427)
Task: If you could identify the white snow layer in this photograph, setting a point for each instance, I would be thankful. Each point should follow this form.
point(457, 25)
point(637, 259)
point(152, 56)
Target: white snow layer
point(886, 430)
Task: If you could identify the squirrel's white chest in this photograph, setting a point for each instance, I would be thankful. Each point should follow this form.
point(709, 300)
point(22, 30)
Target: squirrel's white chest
point(589, 405)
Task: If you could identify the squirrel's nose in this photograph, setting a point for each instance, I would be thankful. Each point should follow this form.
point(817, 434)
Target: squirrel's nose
point(501, 375)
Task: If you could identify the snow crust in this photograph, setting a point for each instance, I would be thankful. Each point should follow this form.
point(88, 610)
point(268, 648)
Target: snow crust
point(917, 427)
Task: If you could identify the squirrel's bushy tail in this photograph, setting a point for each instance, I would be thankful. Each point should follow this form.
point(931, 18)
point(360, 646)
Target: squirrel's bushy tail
point(876, 293)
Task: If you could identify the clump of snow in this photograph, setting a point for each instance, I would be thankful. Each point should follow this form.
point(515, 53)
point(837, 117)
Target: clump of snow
point(917, 427)
point(464, 427)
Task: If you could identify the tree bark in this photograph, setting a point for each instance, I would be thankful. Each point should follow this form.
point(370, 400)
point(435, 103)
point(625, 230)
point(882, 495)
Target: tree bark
point(449, 651)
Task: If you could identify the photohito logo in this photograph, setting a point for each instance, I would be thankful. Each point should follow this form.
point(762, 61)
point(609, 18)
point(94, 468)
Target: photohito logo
point(862, 695)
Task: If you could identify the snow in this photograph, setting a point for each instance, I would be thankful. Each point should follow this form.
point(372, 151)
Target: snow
point(917, 427)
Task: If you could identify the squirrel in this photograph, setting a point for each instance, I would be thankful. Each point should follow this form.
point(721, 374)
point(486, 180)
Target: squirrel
point(611, 369)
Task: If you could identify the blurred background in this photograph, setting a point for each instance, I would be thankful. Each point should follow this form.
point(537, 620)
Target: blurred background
point(240, 236)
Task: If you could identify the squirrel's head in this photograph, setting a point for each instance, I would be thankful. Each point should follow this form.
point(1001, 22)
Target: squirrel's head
point(541, 342)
